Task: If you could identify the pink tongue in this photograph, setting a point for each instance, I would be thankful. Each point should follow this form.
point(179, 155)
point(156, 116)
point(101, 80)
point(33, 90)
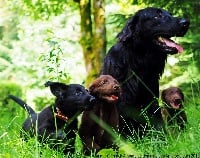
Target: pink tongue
point(173, 44)
point(175, 106)
point(114, 97)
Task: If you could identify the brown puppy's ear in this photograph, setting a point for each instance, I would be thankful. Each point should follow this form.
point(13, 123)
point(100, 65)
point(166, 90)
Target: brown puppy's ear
point(181, 93)
point(163, 94)
point(91, 88)
point(56, 88)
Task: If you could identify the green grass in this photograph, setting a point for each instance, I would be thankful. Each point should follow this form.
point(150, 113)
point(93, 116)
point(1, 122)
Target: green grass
point(184, 143)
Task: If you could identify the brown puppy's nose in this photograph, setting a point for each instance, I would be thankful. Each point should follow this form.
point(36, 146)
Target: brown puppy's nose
point(116, 86)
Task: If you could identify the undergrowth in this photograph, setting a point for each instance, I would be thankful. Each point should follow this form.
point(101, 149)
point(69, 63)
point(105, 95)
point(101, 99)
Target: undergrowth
point(159, 144)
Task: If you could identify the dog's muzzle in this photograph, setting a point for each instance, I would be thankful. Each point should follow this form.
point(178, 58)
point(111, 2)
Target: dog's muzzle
point(92, 99)
point(90, 103)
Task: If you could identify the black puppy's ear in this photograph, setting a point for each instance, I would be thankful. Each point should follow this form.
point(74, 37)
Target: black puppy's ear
point(129, 30)
point(56, 88)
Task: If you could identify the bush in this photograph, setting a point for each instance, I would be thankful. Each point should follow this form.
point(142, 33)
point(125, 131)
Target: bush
point(41, 102)
point(8, 107)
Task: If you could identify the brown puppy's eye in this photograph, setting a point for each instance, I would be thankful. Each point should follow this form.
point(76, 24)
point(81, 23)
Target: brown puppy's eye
point(102, 83)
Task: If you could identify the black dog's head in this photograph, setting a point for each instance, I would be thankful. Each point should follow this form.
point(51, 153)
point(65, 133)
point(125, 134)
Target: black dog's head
point(72, 97)
point(173, 98)
point(157, 26)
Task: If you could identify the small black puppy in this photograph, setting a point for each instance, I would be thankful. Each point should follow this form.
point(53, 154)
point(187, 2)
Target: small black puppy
point(57, 123)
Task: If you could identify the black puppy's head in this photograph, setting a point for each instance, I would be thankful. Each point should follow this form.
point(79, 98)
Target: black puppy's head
point(173, 98)
point(157, 26)
point(72, 97)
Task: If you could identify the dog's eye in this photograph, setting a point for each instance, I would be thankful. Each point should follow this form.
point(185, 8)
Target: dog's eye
point(102, 83)
point(158, 15)
point(78, 93)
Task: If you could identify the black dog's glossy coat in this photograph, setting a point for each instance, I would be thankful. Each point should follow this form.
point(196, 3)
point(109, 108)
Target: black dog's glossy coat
point(137, 61)
point(70, 100)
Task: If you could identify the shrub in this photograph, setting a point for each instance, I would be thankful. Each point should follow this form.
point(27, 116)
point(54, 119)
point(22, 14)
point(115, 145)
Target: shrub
point(8, 107)
point(41, 102)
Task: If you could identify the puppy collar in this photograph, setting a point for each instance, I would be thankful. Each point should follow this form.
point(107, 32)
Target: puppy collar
point(60, 115)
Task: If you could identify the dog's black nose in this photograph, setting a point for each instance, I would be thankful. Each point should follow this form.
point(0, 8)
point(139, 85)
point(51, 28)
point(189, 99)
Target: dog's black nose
point(184, 22)
point(92, 99)
point(116, 86)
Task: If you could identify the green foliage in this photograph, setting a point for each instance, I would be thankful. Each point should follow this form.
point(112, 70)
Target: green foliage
point(41, 102)
point(8, 107)
point(20, 57)
point(23, 40)
point(53, 60)
point(40, 9)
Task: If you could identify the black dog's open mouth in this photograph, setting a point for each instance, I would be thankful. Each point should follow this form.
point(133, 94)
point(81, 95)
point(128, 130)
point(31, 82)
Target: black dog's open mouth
point(169, 45)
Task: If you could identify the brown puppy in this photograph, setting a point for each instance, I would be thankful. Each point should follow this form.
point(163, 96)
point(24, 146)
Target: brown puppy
point(107, 91)
point(173, 112)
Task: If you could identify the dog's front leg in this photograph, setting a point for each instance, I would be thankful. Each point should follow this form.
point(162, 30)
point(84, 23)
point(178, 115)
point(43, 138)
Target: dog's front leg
point(46, 133)
point(69, 142)
point(90, 145)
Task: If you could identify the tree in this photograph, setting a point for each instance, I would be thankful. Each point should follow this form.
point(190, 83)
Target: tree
point(93, 36)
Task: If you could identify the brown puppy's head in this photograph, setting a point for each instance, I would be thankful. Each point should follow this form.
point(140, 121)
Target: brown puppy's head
point(106, 88)
point(173, 97)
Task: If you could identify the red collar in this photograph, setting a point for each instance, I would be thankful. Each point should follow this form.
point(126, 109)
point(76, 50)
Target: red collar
point(60, 115)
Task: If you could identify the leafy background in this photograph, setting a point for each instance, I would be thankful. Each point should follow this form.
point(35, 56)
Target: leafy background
point(40, 41)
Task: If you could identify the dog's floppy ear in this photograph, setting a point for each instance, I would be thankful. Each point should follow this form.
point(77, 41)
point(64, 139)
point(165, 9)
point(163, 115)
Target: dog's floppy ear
point(181, 93)
point(130, 29)
point(163, 94)
point(57, 88)
point(91, 88)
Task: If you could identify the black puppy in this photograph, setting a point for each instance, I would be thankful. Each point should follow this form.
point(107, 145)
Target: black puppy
point(137, 61)
point(58, 122)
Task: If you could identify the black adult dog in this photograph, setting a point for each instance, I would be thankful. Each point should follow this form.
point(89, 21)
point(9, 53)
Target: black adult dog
point(57, 123)
point(137, 61)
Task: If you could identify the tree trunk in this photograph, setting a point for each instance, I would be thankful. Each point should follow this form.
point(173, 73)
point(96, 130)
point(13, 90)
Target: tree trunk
point(93, 37)
point(99, 40)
